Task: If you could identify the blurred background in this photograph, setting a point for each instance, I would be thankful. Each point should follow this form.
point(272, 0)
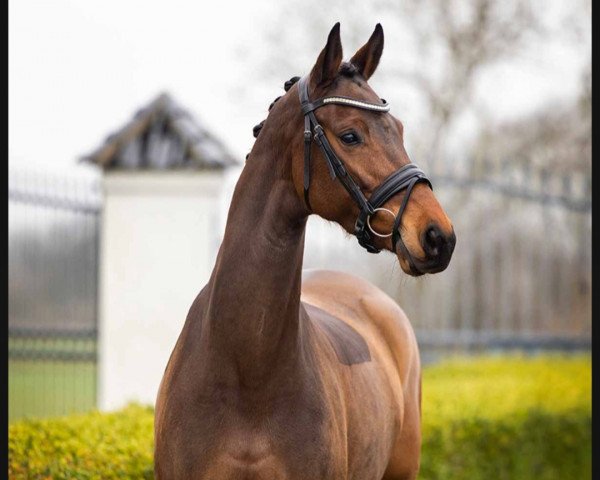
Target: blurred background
point(128, 127)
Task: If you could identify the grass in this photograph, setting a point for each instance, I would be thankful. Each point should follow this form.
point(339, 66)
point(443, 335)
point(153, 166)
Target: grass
point(50, 376)
point(50, 388)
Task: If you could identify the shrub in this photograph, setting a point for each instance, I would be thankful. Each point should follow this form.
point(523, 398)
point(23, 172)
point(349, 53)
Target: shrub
point(505, 417)
point(88, 446)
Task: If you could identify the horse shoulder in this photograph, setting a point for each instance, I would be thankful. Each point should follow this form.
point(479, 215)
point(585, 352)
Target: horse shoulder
point(363, 306)
point(389, 337)
point(371, 313)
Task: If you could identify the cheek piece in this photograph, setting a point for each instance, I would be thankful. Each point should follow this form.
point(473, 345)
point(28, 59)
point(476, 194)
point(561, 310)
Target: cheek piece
point(405, 178)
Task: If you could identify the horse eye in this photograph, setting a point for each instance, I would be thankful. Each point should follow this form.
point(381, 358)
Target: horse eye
point(350, 138)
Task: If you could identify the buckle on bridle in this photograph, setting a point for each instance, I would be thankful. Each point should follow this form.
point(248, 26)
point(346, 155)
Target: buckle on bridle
point(318, 133)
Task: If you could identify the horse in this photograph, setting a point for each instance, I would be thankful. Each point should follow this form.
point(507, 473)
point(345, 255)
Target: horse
point(283, 375)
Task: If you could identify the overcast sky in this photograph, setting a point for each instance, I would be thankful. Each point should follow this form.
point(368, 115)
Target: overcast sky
point(80, 69)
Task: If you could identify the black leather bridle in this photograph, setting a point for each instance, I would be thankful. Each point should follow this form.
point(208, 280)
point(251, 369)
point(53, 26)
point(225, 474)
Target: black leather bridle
point(405, 178)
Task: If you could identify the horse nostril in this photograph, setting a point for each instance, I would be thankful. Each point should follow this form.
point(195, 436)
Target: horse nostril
point(433, 241)
point(438, 247)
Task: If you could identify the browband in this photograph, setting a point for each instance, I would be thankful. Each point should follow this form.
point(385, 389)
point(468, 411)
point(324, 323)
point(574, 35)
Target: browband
point(349, 102)
point(404, 178)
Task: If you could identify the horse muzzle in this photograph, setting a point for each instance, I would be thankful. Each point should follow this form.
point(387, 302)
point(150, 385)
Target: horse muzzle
point(437, 247)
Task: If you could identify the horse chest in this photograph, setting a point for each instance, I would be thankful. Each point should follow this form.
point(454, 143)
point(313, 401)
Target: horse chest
point(288, 439)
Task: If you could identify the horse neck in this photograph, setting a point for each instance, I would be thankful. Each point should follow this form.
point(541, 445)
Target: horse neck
point(253, 314)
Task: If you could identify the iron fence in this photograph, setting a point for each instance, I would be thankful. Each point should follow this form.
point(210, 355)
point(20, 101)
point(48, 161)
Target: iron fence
point(54, 222)
point(520, 276)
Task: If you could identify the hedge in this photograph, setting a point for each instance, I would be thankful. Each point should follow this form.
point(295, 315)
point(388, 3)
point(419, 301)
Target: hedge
point(505, 417)
point(86, 446)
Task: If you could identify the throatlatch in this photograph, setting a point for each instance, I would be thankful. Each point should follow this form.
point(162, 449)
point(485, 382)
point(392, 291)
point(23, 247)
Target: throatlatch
point(405, 178)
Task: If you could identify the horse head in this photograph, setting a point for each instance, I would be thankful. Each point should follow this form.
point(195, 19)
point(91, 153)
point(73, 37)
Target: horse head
point(367, 141)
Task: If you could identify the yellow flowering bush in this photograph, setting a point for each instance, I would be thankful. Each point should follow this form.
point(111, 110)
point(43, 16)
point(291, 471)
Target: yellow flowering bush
point(492, 417)
point(86, 446)
point(507, 417)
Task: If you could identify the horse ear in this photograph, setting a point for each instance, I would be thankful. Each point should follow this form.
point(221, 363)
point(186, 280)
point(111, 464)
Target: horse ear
point(367, 58)
point(329, 59)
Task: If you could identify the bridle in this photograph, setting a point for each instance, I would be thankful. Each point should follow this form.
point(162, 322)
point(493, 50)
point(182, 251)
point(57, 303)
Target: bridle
point(405, 178)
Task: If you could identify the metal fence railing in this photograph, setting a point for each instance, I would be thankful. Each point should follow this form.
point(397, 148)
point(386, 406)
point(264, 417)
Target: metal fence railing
point(520, 276)
point(53, 261)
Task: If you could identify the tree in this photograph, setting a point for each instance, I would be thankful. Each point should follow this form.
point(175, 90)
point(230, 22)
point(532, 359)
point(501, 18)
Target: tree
point(436, 51)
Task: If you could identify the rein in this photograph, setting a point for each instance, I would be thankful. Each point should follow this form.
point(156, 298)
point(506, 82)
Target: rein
point(405, 178)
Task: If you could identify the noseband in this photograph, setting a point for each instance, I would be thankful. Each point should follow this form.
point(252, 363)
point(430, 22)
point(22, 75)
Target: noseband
point(405, 178)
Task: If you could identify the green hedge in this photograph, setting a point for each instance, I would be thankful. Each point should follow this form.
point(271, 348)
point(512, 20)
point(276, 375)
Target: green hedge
point(486, 418)
point(507, 418)
point(86, 446)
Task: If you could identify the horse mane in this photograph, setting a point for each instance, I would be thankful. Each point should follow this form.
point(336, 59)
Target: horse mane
point(286, 86)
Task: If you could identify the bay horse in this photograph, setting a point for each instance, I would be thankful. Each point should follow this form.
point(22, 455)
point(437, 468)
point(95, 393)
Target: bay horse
point(280, 376)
